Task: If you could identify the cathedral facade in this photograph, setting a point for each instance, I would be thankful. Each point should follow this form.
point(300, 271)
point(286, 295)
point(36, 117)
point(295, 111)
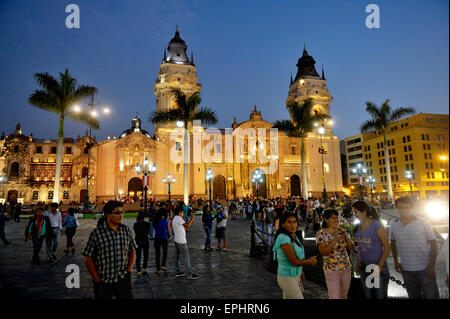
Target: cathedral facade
point(27, 164)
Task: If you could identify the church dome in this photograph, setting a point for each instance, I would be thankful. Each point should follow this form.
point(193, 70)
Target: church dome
point(135, 127)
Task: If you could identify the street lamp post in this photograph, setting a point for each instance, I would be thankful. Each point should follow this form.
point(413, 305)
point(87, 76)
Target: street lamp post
point(209, 176)
point(322, 125)
point(152, 171)
point(360, 170)
point(169, 181)
point(89, 145)
point(409, 177)
point(371, 181)
point(257, 179)
point(322, 151)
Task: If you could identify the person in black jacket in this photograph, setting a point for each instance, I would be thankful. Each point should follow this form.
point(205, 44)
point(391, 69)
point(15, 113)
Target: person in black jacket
point(141, 231)
point(3, 220)
point(38, 228)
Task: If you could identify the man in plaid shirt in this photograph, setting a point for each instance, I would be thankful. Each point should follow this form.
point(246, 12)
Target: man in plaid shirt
point(110, 253)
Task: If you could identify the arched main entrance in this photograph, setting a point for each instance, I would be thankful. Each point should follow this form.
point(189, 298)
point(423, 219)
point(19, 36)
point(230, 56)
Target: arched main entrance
point(82, 195)
point(261, 185)
point(12, 196)
point(219, 187)
point(135, 187)
point(295, 185)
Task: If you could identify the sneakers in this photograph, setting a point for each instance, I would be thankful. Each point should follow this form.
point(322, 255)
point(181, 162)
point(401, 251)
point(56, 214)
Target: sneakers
point(180, 274)
point(193, 276)
point(218, 249)
point(139, 273)
point(163, 268)
point(53, 256)
point(144, 271)
point(224, 249)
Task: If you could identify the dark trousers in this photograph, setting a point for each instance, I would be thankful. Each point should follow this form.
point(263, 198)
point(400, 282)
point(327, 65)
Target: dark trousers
point(121, 289)
point(70, 232)
point(37, 245)
point(420, 286)
point(208, 236)
point(142, 246)
point(3, 236)
point(160, 242)
point(17, 217)
point(375, 293)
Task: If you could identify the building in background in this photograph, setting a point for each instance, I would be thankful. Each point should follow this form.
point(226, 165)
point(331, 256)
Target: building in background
point(27, 165)
point(418, 144)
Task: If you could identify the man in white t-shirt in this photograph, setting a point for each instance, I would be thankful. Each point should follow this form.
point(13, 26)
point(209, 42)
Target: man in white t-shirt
point(179, 229)
point(222, 216)
point(414, 241)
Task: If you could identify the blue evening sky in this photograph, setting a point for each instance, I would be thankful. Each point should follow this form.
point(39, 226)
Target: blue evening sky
point(244, 52)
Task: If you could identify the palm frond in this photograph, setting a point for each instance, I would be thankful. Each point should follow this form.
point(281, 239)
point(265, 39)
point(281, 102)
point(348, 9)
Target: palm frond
point(164, 117)
point(179, 97)
point(372, 109)
point(85, 118)
point(192, 103)
point(370, 125)
point(46, 81)
point(401, 112)
point(287, 127)
point(206, 115)
point(45, 101)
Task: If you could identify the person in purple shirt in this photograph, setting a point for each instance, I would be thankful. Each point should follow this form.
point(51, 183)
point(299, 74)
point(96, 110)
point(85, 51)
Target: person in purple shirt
point(373, 249)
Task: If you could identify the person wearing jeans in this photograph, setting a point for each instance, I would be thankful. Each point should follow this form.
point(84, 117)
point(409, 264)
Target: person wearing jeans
point(414, 241)
point(373, 249)
point(333, 242)
point(161, 236)
point(52, 240)
point(141, 231)
point(181, 248)
point(207, 226)
point(38, 228)
point(70, 227)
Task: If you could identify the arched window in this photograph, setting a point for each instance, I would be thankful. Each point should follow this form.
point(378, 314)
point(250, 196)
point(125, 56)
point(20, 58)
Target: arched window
point(16, 149)
point(86, 150)
point(84, 172)
point(14, 170)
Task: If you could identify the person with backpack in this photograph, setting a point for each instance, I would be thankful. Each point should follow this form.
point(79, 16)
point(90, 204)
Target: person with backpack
point(290, 255)
point(221, 225)
point(207, 226)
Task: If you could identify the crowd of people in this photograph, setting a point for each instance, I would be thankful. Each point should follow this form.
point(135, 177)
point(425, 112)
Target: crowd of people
point(112, 250)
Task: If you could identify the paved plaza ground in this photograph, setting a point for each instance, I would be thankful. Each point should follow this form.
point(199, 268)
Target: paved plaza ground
point(224, 275)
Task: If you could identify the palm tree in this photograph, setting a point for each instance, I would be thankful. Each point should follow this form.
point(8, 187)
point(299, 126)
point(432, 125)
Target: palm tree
point(382, 117)
point(58, 97)
point(186, 110)
point(302, 122)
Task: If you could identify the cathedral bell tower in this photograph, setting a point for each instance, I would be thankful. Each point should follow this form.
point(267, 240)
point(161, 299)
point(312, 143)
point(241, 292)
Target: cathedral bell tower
point(175, 71)
point(308, 84)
